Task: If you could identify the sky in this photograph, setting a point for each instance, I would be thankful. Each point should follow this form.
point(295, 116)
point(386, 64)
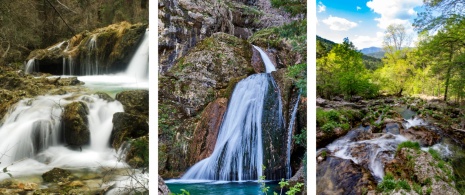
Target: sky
point(364, 21)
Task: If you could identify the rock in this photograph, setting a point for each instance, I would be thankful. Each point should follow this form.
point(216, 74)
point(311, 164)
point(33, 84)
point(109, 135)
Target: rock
point(75, 124)
point(104, 96)
point(76, 184)
point(206, 131)
point(419, 167)
point(422, 134)
point(392, 128)
point(134, 102)
point(56, 175)
point(183, 24)
point(162, 187)
point(342, 176)
point(138, 154)
point(127, 126)
point(257, 62)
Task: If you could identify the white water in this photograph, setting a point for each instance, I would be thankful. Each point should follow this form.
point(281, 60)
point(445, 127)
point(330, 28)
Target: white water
point(238, 153)
point(289, 137)
point(30, 65)
point(90, 66)
point(30, 137)
point(374, 148)
point(138, 67)
point(266, 60)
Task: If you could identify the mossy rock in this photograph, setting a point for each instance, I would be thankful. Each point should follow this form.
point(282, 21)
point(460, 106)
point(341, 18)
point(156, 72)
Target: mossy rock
point(56, 175)
point(75, 124)
point(104, 96)
point(138, 154)
point(127, 126)
point(134, 102)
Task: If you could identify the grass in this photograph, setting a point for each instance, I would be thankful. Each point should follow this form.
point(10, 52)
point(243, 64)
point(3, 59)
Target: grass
point(408, 144)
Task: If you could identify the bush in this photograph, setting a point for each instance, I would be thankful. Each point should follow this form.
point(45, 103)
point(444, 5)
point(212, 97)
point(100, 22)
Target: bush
point(408, 144)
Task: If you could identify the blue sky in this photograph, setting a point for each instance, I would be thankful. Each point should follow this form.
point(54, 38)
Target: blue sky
point(364, 21)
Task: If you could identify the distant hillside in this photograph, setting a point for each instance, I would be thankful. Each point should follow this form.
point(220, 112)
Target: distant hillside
point(378, 55)
point(370, 62)
point(370, 50)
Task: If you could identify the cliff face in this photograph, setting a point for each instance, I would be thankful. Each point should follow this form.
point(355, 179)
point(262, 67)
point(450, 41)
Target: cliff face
point(104, 50)
point(184, 23)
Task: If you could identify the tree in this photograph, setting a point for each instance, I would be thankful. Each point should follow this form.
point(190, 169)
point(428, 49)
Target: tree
point(439, 13)
point(343, 72)
point(395, 38)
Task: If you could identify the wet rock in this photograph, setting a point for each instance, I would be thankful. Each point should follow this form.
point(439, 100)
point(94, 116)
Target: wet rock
point(56, 175)
point(134, 102)
point(138, 154)
point(206, 131)
point(392, 128)
point(104, 96)
point(162, 187)
point(341, 176)
point(257, 61)
point(76, 184)
point(127, 126)
point(422, 134)
point(75, 124)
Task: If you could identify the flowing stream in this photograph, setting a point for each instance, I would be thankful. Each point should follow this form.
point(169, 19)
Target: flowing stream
point(31, 135)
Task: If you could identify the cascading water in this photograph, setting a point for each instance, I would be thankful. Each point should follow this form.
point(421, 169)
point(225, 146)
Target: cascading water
point(289, 137)
point(30, 65)
point(266, 60)
point(31, 137)
point(138, 67)
point(238, 153)
point(90, 65)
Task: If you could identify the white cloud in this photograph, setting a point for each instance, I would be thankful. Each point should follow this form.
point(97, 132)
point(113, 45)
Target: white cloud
point(358, 8)
point(368, 41)
point(394, 11)
point(339, 24)
point(321, 7)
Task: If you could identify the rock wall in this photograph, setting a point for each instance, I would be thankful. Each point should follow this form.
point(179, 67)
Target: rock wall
point(184, 23)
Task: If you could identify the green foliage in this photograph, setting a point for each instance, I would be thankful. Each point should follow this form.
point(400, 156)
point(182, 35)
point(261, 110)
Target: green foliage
point(403, 185)
point(141, 148)
point(342, 72)
point(183, 192)
point(388, 184)
point(298, 73)
point(408, 144)
point(417, 188)
point(294, 7)
point(331, 119)
point(301, 139)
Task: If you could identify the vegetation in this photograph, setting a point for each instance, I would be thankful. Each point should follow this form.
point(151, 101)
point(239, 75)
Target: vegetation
point(294, 7)
point(409, 144)
point(282, 184)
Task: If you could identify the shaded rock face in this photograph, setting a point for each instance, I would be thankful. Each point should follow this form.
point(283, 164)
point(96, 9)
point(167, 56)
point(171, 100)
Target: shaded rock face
point(274, 137)
point(75, 124)
point(56, 175)
point(162, 187)
point(127, 126)
point(206, 131)
point(135, 102)
point(138, 155)
point(184, 23)
point(419, 167)
point(257, 62)
point(105, 50)
point(341, 176)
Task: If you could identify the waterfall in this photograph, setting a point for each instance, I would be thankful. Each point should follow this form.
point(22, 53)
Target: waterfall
point(31, 133)
point(238, 153)
point(266, 60)
point(289, 137)
point(30, 65)
point(90, 65)
point(138, 66)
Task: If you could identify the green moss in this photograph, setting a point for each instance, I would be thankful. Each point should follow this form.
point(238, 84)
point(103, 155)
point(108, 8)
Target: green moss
point(408, 144)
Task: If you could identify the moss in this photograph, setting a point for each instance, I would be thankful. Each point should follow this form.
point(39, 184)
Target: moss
point(409, 144)
point(226, 93)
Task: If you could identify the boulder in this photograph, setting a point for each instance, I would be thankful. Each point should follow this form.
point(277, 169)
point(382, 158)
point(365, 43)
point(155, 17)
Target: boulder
point(423, 135)
point(162, 187)
point(392, 128)
point(342, 176)
point(138, 154)
point(104, 96)
point(206, 131)
point(56, 175)
point(75, 124)
point(127, 126)
point(134, 102)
